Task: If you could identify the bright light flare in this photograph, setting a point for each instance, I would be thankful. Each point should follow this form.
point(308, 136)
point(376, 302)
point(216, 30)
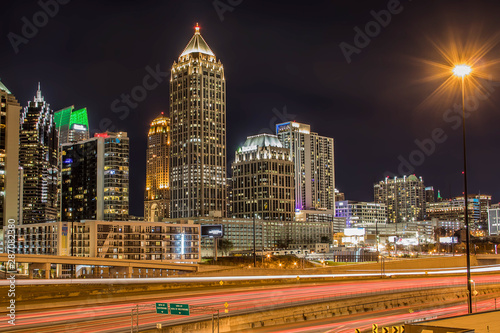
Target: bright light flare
point(462, 70)
point(459, 58)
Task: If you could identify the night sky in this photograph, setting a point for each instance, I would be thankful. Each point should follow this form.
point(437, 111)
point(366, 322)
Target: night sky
point(282, 62)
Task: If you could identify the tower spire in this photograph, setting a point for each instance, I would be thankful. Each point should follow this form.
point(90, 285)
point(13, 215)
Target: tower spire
point(39, 97)
point(197, 28)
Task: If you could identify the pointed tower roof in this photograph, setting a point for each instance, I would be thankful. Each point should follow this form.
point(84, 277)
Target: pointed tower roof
point(4, 88)
point(197, 44)
point(38, 97)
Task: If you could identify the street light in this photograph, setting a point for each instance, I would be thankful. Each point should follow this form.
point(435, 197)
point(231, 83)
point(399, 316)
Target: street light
point(462, 71)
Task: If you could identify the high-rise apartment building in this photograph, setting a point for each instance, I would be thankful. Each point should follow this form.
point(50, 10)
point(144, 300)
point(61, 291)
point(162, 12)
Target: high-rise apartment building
point(263, 182)
point(404, 198)
point(72, 125)
point(95, 178)
point(198, 132)
point(9, 157)
point(313, 156)
point(38, 154)
point(157, 195)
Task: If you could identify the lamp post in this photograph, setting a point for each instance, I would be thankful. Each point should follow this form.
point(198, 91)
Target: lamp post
point(462, 71)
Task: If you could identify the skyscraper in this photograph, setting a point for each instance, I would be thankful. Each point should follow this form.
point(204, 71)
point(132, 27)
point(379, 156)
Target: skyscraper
point(263, 180)
point(38, 159)
point(404, 198)
point(95, 178)
point(72, 125)
point(157, 195)
point(9, 156)
point(198, 132)
point(313, 156)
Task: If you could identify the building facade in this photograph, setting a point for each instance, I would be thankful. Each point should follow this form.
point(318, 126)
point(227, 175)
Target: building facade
point(494, 220)
point(404, 198)
point(10, 174)
point(269, 234)
point(157, 195)
point(38, 158)
point(313, 156)
point(198, 132)
point(95, 178)
point(112, 239)
point(262, 182)
point(357, 212)
point(72, 125)
point(454, 210)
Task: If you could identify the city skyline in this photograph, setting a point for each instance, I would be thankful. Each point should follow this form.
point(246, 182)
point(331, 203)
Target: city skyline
point(252, 107)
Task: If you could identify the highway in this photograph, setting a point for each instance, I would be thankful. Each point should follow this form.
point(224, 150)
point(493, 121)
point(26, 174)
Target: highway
point(117, 317)
point(364, 321)
point(361, 273)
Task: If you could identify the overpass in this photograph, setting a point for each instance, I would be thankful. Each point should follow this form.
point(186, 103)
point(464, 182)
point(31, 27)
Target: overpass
point(86, 267)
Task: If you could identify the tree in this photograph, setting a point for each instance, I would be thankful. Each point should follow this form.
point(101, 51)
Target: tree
point(224, 245)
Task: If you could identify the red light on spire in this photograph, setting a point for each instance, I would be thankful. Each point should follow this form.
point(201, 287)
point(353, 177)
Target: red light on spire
point(197, 28)
point(162, 112)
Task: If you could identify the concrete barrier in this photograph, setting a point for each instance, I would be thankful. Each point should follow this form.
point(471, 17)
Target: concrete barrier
point(270, 317)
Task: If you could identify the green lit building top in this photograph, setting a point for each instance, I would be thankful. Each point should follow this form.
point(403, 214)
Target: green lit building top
point(72, 125)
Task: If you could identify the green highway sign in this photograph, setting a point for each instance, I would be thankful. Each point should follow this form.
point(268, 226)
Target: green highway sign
point(162, 308)
point(179, 309)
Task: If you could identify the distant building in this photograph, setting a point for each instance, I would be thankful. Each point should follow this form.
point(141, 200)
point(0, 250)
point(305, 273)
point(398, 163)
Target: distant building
point(454, 210)
point(494, 220)
point(198, 117)
point(270, 234)
point(263, 181)
point(10, 208)
point(72, 125)
point(95, 178)
point(157, 194)
point(313, 156)
point(38, 157)
point(357, 212)
point(339, 196)
point(430, 194)
point(404, 198)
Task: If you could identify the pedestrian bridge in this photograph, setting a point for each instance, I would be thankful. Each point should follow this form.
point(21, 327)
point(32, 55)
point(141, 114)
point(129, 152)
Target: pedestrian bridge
point(97, 267)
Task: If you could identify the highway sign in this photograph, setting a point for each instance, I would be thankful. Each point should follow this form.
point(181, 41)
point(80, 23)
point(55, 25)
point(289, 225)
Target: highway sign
point(395, 329)
point(386, 330)
point(357, 330)
point(402, 329)
point(226, 305)
point(162, 308)
point(374, 328)
point(179, 309)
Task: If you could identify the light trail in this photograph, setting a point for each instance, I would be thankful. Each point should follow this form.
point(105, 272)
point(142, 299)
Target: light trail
point(457, 270)
point(108, 318)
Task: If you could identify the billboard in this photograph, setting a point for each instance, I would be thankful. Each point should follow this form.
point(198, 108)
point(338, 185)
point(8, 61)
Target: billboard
point(213, 231)
point(448, 240)
point(354, 231)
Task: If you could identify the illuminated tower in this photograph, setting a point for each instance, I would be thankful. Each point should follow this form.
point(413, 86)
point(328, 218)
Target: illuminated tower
point(313, 156)
point(38, 158)
point(157, 195)
point(198, 116)
point(72, 125)
point(9, 157)
point(95, 178)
